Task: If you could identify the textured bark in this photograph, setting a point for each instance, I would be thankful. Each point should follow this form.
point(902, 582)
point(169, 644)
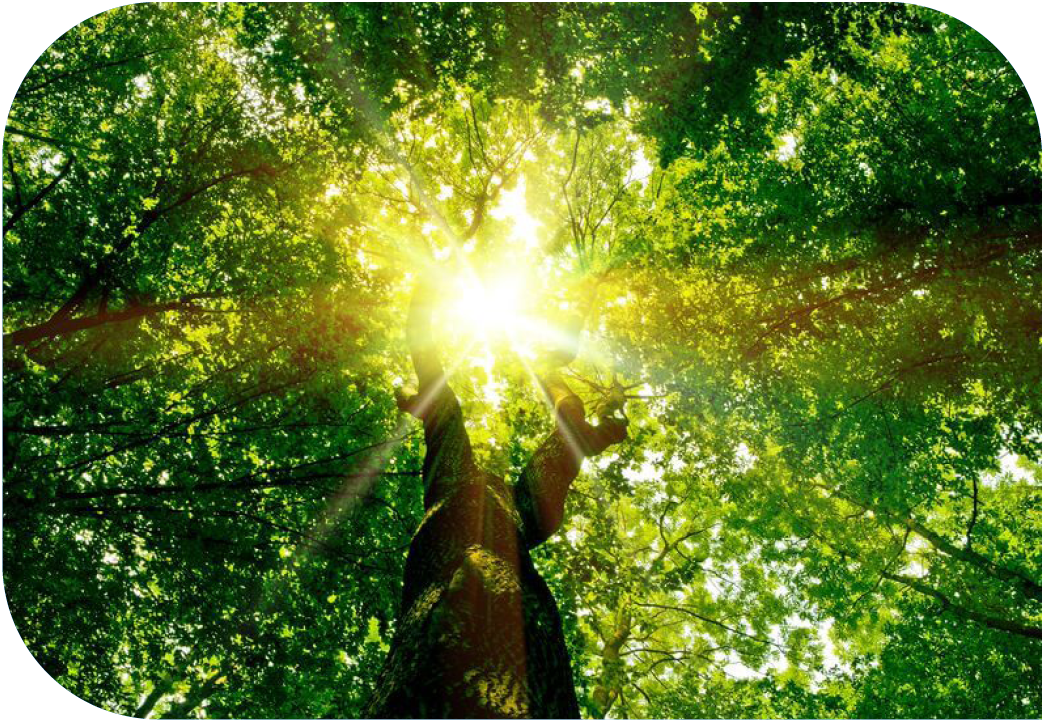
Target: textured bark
point(479, 633)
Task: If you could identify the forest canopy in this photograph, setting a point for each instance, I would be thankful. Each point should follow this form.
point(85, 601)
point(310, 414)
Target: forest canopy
point(797, 247)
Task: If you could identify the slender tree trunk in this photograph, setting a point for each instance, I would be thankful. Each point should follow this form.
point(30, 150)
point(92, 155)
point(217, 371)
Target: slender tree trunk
point(479, 633)
point(609, 684)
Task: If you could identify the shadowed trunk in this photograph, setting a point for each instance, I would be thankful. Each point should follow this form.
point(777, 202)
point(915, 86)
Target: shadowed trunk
point(479, 633)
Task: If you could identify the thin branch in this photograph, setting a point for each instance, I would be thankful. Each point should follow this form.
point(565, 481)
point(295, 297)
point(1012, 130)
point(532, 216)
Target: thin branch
point(20, 212)
point(1009, 626)
point(973, 515)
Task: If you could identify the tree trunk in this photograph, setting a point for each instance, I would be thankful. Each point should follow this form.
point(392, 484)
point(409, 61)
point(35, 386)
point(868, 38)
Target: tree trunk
point(606, 691)
point(479, 633)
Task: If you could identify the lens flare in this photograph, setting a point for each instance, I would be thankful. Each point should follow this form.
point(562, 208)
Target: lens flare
point(490, 309)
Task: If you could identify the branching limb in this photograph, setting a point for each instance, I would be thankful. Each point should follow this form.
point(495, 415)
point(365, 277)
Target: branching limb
point(543, 486)
point(1010, 626)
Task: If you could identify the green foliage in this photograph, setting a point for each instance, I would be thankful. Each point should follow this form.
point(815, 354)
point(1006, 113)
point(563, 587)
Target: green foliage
point(806, 238)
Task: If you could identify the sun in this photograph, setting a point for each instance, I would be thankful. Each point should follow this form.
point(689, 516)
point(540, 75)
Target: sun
point(490, 308)
point(497, 301)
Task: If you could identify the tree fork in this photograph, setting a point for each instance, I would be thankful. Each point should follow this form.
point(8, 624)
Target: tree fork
point(479, 633)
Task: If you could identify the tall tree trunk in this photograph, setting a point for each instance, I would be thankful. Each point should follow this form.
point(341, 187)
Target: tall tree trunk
point(479, 633)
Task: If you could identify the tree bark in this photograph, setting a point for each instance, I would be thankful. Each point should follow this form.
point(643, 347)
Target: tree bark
point(479, 633)
point(609, 684)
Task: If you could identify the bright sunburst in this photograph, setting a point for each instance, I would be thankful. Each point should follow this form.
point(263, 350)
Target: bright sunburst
point(498, 303)
point(491, 309)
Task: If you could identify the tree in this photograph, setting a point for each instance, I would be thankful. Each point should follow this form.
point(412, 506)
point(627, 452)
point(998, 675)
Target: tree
point(479, 634)
point(802, 243)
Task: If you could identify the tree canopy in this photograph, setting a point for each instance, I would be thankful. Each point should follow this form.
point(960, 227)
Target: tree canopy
point(803, 240)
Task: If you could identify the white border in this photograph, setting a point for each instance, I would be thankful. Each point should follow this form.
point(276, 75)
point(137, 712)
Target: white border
point(28, 27)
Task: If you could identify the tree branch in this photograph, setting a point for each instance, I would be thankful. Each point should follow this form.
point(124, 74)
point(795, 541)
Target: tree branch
point(67, 326)
point(543, 484)
point(964, 612)
point(20, 212)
